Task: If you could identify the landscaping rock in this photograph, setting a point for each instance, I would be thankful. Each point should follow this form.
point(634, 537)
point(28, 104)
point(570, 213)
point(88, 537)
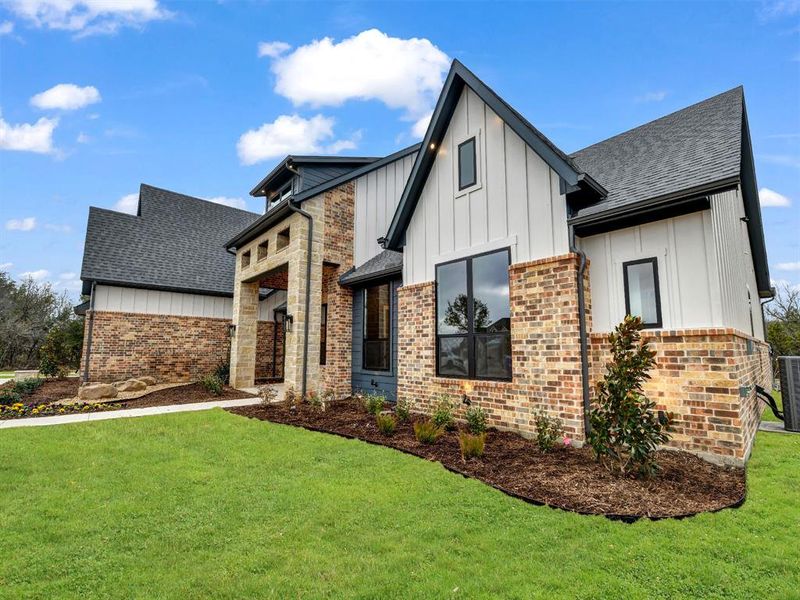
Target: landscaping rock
point(97, 391)
point(148, 380)
point(131, 385)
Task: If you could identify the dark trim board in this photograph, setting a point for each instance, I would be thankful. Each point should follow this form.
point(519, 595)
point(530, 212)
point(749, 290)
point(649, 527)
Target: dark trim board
point(646, 214)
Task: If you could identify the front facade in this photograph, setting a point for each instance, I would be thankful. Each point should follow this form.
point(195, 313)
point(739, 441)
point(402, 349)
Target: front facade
point(484, 264)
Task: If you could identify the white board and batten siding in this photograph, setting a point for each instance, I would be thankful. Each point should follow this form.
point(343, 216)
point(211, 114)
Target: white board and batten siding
point(377, 195)
point(704, 269)
point(156, 302)
point(515, 203)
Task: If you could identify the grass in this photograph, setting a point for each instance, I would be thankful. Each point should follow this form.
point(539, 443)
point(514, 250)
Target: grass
point(213, 505)
point(767, 414)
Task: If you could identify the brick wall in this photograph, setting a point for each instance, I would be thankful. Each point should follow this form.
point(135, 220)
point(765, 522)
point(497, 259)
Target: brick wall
point(167, 347)
point(269, 337)
point(545, 347)
point(700, 375)
point(339, 207)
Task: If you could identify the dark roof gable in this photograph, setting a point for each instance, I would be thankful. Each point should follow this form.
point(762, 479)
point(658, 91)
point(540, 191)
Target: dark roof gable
point(175, 242)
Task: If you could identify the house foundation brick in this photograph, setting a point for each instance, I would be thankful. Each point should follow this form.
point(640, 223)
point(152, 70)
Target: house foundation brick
point(545, 348)
point(707, 379)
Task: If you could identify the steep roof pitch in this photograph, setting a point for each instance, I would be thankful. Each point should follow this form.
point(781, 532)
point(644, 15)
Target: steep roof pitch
point(458, 77)
point(693, 148)
point(692, 152)
point(174, 242)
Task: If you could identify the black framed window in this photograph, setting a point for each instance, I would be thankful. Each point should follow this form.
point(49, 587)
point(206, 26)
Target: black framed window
point(323, 335)
point(642, 296)
point(473, 317)
point(467, 164)
point(377, 328)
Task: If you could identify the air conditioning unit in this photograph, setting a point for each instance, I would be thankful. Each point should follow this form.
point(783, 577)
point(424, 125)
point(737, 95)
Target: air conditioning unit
point(789, 367)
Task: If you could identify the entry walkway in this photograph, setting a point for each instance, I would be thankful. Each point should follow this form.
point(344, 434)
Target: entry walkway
point(125, 413)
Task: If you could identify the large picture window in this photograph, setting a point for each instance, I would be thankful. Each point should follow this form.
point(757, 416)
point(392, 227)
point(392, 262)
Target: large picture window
point(473, 317)
point(642, 298)
point(377, 328)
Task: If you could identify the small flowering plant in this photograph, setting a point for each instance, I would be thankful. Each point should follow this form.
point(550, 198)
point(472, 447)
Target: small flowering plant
point(566, 441)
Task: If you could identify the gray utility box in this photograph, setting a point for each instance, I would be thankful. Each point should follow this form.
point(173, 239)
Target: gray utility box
point(789, 367)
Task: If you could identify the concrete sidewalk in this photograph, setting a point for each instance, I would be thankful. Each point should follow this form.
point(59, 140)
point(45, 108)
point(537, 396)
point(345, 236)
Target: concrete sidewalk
point(124, 413)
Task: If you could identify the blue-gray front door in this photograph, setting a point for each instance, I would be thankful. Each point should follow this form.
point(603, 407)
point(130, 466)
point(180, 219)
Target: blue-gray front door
point(369, 351)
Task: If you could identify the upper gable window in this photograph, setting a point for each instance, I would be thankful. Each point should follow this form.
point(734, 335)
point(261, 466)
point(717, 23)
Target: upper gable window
point(467, 164)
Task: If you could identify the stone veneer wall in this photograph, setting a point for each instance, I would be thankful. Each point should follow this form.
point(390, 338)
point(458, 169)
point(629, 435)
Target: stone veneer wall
point(167, 347)
point(545, 347)
point(706, 378)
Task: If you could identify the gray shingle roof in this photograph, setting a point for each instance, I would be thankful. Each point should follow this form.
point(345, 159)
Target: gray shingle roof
point(691, 148)
point(176, 242)
point(384, 264)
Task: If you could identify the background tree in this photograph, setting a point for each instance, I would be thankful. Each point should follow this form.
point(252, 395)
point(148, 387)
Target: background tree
point(456, 313)
point(28, 311)
point(783, 323)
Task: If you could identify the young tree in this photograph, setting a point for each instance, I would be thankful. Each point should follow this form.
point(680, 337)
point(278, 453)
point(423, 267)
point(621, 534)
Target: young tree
point(783, 323)
point(626, 430)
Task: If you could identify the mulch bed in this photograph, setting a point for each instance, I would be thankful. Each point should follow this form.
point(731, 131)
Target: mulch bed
point(57, 389)
point(566, 478)
point(184, 394)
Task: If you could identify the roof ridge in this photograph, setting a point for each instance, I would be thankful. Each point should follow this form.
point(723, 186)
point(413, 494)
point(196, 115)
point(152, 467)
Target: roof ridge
point(194, 198)
point(739, 87)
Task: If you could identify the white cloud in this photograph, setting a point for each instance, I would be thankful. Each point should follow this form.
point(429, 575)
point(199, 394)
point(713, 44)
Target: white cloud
point(768, 197)
point(651, 96)
point(788, 266)
point(6, 266)
point(66, 96)
point(784, 284)
point(291, 134)
point(69, 281)
point(785, 160)
point(27, 137)
point(83, 138)
point(67, 276)
point(232, 202)
point(26, 224)
point(6, 27)
point(402, 73)
point(87, 17)
point(58, 228)
point(421, 126)
point(35, 275)
point(128, 204)
point(776, 9)
point(272, 49)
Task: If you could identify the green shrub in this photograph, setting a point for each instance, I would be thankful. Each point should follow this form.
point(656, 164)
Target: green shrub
point(314, 399)
point(443, 413)
point(374, 403)
point(223, 371)
point(27, 386)
point(213, 384)
point(427, 432)
point(61, 349)
point(386, 423)
point(9, 396)
point(476, 420)
point(548, 431)
point(403, 410)
point(625, 428)
point(471, 445)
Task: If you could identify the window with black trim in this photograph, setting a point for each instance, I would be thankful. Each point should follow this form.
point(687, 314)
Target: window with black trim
point(377, 328)
point(473, 317)
point(467, 164)
point(642, 297)
point(323, 335)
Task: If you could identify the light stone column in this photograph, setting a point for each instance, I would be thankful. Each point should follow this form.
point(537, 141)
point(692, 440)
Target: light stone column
point(243, 343)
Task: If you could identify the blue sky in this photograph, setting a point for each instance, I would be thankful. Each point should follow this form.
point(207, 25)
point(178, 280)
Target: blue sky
point(203, 98)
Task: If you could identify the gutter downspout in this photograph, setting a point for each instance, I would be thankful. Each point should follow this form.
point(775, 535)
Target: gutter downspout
point(295, 208)
point(89, 335)
point(582, 329)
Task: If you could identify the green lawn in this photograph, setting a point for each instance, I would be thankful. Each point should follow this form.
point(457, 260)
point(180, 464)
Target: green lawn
point(767, 414)
point(213, 505)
